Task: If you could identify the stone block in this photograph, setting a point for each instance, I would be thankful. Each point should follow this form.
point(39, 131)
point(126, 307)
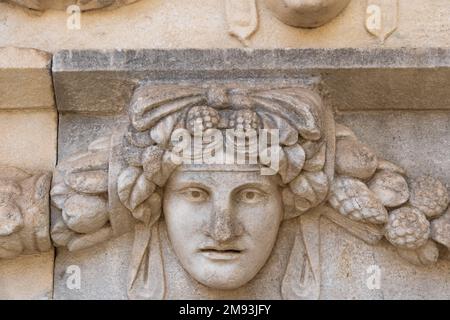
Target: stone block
point(25, 79)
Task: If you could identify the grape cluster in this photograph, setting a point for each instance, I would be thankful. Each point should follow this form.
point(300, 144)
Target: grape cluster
point(201, 118)
point(244, 120)
point(407, 228)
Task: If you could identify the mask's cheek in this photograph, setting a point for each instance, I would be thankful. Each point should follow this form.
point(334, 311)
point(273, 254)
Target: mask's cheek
point(261, 223)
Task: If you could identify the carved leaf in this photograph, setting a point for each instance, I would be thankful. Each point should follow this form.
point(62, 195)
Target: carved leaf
point(310, 189)
point(61, 234)
point(303, 105)
point(295, 158)
point(288, 135)
point(92, 182)
point(352, 198)
point(162, 131)
point(59, 194)
point(316, 162)
point(133, 187)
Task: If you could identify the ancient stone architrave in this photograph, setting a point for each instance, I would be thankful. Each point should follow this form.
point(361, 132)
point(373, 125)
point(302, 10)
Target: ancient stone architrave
point(24, 212)
point(84, 5)
point(306, 14)
point(131, 181)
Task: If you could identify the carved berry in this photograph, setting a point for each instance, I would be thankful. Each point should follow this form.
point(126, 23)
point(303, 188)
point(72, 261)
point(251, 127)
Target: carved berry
point(407, 228)
point(429, 195)
point(244, 120)
point(201, 118)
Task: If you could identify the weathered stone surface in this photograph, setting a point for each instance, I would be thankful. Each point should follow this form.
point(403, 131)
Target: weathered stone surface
point(28, 124)
point(25, 80)
point(63, 4)
point(27, 277)
point(26, 252)
point(306, 14)
point(28, 140)
point(176, 24)
point(147, 183)
point(414, 78)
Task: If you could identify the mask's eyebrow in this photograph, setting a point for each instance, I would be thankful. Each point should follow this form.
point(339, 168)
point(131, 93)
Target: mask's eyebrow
point(261, 185)
point(179, 186)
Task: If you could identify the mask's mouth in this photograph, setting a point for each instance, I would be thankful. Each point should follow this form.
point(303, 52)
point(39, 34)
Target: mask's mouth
point(221, 254)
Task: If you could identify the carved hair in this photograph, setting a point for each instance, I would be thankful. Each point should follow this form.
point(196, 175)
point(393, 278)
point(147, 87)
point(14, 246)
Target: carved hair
point(155, 112)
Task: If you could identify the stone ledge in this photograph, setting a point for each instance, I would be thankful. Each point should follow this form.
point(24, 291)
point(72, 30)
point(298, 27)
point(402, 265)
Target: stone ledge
point(25, 79)
point(91, 81)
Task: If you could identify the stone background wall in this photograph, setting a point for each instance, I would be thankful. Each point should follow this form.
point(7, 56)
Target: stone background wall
point(202, 24)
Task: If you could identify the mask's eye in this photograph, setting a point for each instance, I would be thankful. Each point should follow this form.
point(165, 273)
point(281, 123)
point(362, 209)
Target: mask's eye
point(195, 194)
point(250, 196)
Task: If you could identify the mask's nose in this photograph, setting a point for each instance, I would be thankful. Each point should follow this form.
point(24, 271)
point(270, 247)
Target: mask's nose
point(223, 226)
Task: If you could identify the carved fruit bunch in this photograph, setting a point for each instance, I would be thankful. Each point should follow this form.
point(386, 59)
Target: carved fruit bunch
point(373, 191)
point(80, 187)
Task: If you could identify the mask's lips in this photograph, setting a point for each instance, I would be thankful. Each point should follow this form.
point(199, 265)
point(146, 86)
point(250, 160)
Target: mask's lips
point(221, 253)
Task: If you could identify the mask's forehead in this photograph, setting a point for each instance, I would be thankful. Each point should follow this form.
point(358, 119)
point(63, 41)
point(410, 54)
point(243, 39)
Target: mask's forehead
point(220, 179)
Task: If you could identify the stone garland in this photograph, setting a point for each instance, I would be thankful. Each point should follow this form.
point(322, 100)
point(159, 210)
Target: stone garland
point(367, 193)
point(371, 197)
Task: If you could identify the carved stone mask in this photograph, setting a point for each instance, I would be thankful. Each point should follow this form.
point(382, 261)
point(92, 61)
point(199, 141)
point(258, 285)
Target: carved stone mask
point(222, 224)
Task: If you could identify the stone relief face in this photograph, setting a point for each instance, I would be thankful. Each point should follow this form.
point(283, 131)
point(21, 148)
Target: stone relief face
point(222, 225)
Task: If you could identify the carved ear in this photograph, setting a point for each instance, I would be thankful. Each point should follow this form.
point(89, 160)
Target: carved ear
point(302, 278)
point(146, 279)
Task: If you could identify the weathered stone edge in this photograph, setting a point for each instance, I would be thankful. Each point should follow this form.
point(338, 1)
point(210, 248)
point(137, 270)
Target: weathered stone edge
point(249, 59)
